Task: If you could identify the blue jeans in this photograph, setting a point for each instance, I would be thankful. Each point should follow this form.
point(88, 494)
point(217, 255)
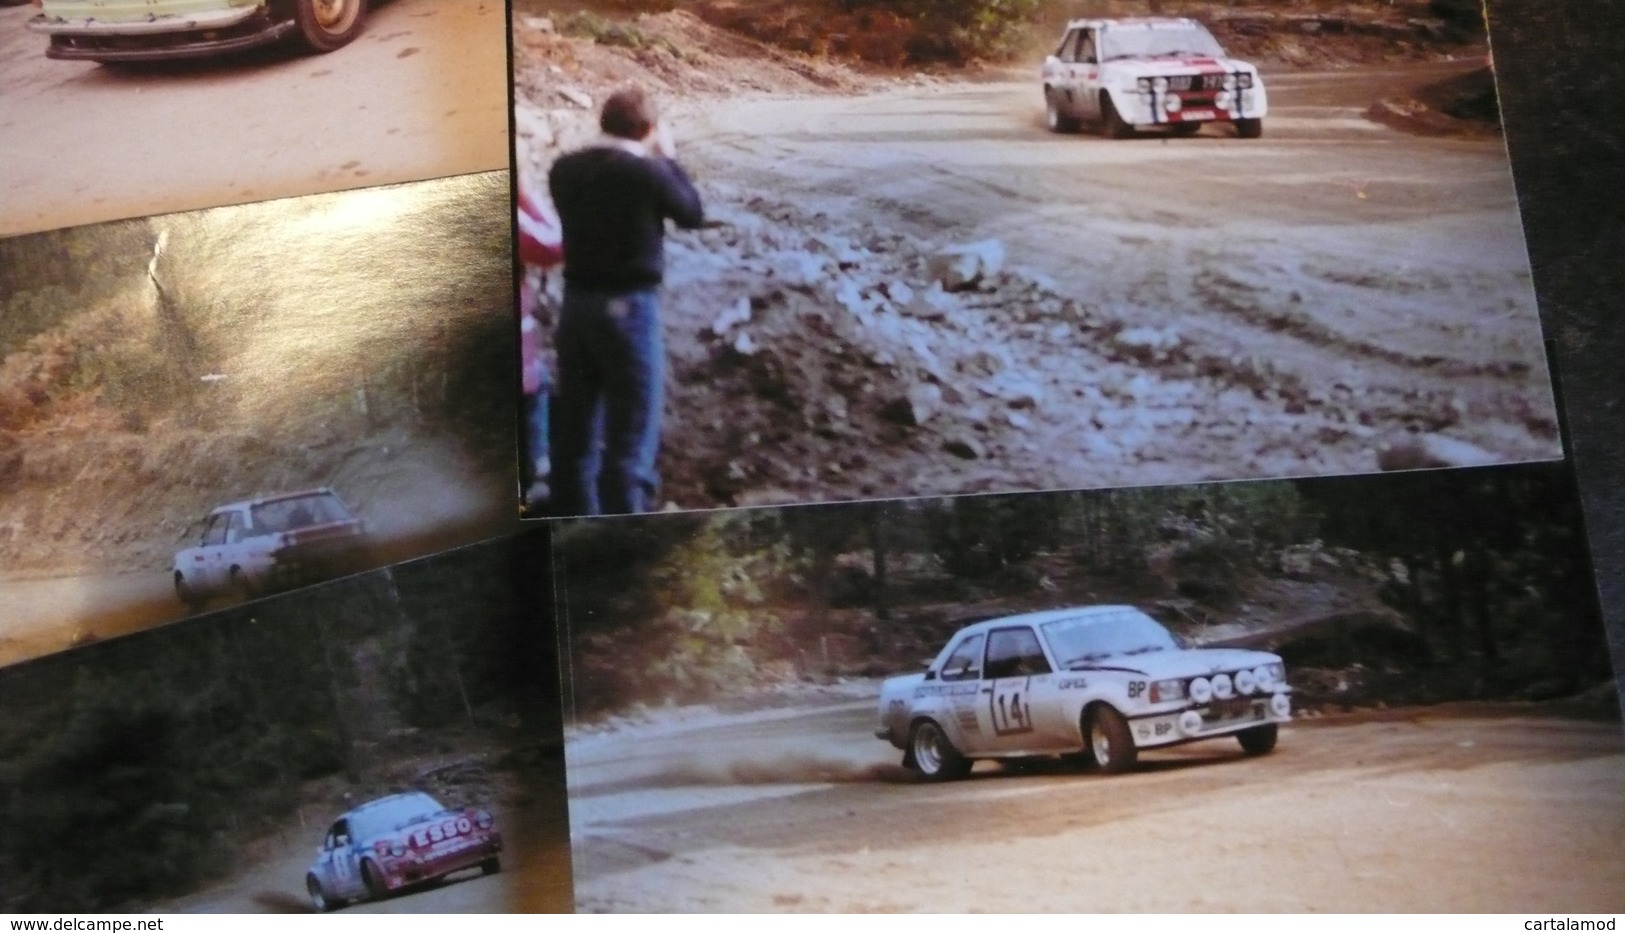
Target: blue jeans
point(610, 389)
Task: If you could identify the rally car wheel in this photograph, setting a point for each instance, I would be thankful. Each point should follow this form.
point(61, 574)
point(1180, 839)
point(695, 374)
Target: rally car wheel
point(1110, 741)
point(241, 590)
point(319, 898)
point(1057, 121)
point(1259, 740)
point(189, 597)
point(1187, 129)
point(373, 879)
point(934, 756)
point(1250, 128)
point(326, 25)
point(1112, 122)
point(491, 865)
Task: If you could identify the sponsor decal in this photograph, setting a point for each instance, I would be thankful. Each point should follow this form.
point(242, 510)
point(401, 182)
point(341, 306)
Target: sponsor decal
point(1072, 683)
point(440, 832)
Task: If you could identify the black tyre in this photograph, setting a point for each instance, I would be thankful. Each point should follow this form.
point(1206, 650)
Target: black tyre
point(318, 898)
point(1112, 123)
point(373, 879)
point(1187, 129)
point(1057, 121)
point(1259, 740)
point(491, 865)
point(241, 589)
point(1110, 742)
point(1250, 128)
point(934, 756)
point(325, 25)
point(190, 598)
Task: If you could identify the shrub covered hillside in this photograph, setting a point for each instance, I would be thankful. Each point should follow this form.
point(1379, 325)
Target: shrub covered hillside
point(1478, 579)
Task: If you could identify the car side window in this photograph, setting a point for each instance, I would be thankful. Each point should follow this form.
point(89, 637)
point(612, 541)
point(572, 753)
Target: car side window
point(1068, 42)
point(234, 530)
point(965, 663)
point(215, 532)
point(1086, 47)
point(341, 833)
point(1015, 652)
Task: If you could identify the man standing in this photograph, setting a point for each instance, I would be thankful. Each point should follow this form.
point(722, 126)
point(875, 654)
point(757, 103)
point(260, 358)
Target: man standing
point(613, 199)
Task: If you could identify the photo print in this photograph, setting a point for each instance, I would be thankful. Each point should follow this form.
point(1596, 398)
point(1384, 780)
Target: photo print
point(200, 409)
point(1369, 693)
point(386, 743)
point(917, 280)
point(119, 110)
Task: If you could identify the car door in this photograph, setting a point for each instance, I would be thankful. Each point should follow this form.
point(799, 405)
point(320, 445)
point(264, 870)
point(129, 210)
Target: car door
point(1086, 87)
point(961, 677)
point(204, 569)
point(342, 867)
point(1058, 70)
point(1018, 685)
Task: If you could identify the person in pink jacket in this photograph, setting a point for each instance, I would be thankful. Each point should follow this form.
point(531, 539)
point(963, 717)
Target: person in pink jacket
point(541, 250)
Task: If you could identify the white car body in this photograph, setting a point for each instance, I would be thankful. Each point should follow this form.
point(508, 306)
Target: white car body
point(270, 543)
point(158, 30)
point(1129, 74)
point(1106, 681)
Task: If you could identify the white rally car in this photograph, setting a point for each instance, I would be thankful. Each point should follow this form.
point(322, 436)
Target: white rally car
point(1127, 74)
point(1098, 682)
point(269, 544)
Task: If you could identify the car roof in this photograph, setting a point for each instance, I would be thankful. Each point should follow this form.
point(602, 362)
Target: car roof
point(385, 801)
point(1044, 615)
point(1133, 21)
point(273, 497)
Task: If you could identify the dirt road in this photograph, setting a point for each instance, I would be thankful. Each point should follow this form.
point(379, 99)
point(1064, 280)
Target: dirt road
point(1193, 309)
point(1458, 810)
point(421, 94)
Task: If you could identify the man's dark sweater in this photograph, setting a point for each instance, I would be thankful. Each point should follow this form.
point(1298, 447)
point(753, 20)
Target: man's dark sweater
point(613, 206)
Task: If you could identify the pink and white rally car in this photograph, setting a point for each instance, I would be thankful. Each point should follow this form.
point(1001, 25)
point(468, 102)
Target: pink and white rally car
point(1127, 74)
point(396, 842)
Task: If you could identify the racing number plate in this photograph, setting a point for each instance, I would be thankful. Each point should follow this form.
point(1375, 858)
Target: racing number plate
point(1236, 709)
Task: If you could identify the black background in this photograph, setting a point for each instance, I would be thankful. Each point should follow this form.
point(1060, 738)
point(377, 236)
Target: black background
point(1563, 104)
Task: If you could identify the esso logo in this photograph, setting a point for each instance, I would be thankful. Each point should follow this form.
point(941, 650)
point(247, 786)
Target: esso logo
point(463, 825)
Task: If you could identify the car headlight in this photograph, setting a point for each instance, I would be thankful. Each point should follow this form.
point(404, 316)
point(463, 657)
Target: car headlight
point(1165, 690)
point(1244, 80)
point(1160, 84)
point(1229, 82)
point(398, 850)
point(1271, 676)
point(1246, 682)
point(1144, 84)
point(483, 820)
point(1201, 690)
point(1172, 103)
point(1222, 687)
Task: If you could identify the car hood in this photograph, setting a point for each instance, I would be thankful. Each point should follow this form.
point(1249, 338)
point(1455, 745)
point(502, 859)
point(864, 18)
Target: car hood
point(1187, 662)
point(1165, 65)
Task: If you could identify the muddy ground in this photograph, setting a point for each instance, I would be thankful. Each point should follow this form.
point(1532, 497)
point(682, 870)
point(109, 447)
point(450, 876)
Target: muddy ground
point(1341, 296)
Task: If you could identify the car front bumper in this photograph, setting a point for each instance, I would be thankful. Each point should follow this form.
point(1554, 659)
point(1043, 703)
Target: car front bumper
point(159, 37)
point(1202, 722)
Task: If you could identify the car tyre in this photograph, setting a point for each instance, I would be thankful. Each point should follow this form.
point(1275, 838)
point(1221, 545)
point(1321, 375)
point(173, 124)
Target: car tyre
point(1112, 123)
point(1187, 129)
point(326, 25)
point(1259, 740)
point(1057, 121)
point(373, 879)
point(241, 590)
point(1250, 127)
point(1110, 742)
point(491, 865)
point(934, 756)
point(190, 598)
point(319, 898)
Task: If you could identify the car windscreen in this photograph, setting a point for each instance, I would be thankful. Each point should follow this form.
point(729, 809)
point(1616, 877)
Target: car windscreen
point(1087, 639)
point(387, 814)
point(1157, 40)
point(298, 512)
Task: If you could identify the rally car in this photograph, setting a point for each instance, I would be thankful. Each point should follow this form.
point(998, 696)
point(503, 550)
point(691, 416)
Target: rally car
point(269, 544)
point(1127, 74)
point(1096, 683)
point(396, 842)
point(151, 30)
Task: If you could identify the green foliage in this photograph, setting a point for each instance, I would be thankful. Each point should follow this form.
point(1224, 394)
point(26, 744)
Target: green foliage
point(616, 33)
point(960, 31)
